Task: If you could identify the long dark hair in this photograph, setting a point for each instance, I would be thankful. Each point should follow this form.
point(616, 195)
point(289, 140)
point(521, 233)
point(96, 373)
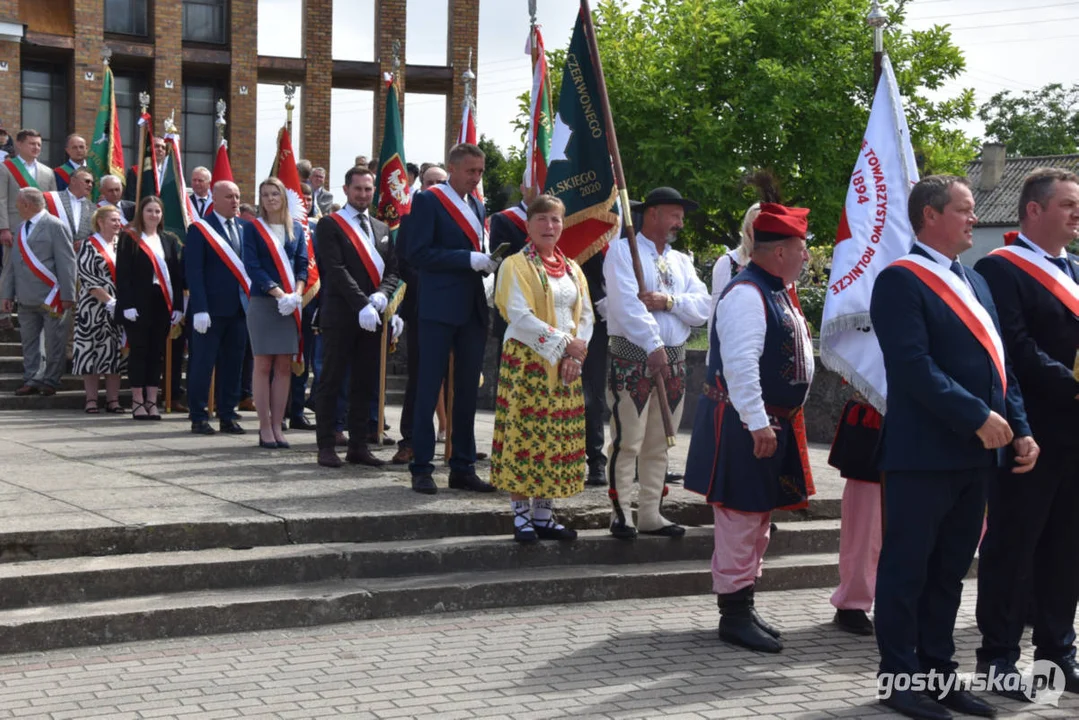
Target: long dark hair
point(136, 223)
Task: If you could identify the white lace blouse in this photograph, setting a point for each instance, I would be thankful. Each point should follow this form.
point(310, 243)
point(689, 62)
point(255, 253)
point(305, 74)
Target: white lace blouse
point(549, 341)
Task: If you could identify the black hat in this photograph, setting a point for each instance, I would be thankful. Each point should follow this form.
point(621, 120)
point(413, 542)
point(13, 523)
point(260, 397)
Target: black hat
point(667, 196)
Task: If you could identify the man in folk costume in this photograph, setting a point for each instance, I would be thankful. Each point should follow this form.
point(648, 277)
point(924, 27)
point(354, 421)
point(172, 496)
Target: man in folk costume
point(76, 158)
point(40, 276)
point(219, 289)
point(111, 189)
point(648, 329)
point(955, 418)
point(1030, 540)
point(73, 206)
point(358, 272)
point(748, 453)
point(445, 246)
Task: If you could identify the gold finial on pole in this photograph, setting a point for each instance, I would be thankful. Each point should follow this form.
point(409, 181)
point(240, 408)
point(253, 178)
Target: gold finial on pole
point(144, 102)
point(170, 123)
point(290, 92)
point(106, 55)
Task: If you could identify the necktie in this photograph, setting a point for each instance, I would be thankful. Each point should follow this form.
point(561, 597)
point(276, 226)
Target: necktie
point(233, 240)
point(28, 224)
point(363, 223)
point(958, 270)
point(202, 207)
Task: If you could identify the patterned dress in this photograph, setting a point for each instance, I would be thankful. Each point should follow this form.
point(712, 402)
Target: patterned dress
point(98, 346)
point(538, 448)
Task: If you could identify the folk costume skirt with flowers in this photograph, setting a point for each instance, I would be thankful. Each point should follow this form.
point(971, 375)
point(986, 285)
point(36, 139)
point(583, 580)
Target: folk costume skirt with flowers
point(538, 448)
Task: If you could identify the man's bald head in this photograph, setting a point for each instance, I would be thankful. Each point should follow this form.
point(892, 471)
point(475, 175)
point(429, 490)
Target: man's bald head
point(226, 198)
point(433, 176)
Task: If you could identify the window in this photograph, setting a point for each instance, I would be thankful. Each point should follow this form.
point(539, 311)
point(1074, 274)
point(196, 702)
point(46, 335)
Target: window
point(204, 21)
point(199, 133)
point(126, 17)
point(280, 28)
point(44, 108)
point(127, 89)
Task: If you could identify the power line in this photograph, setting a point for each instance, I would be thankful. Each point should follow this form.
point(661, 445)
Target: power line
point(996, 12)
point(1026, 40)
point(1011, 24)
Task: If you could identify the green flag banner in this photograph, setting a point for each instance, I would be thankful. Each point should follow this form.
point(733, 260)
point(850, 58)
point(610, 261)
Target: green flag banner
point(173, 191)
point(393, 196)
point(106, 156)
point(580, 172)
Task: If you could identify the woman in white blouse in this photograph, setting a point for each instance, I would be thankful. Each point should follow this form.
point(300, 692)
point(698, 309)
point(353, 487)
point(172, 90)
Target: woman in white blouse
point(538, 448)
point(149, 300)
point(730, 264)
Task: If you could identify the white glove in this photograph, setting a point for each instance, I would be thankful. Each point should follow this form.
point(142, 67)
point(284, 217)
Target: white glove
point(284, 305)
point(131, 314)
point(201, 322)
point(601, 308)
point(177, 316)
point(110, 306)
point(398, 326)
point(379, 300)
point(369, 318)
point(297, 301)
point(482, 262)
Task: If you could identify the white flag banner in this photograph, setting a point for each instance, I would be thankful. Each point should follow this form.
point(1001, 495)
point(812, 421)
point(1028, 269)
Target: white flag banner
point(873, 232)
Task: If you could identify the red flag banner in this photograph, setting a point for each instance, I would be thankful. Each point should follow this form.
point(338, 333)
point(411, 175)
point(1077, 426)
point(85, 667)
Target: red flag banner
point(284, 169)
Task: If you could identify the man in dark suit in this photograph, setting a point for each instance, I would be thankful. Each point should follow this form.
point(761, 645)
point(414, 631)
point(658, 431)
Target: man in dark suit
point(445, 246)
point(200, 191)
point(409, 312)
point(112, 192)
point(954, 411)
point(359, 274)
point(1031, 531)
point(219, 288)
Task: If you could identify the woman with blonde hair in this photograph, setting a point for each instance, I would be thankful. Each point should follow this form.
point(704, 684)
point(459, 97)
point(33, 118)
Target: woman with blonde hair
point(98, 344)
point(275, 256)
point(538, 448)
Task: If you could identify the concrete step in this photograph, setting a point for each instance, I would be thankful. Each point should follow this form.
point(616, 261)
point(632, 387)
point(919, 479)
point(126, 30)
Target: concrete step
point(10, 349)
point(13, 381)
point(12, 365)
point(425, 525)
point(63, 400)
point(88, 579)
point(344, 600)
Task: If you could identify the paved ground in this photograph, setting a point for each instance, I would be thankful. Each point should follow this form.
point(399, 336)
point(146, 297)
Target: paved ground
point(633, 659)
point(68, 470)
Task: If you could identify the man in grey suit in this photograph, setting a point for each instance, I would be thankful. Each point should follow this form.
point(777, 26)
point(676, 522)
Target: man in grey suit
point(48, 242)
point(28, 172)
point(77, 205)
point(322, 197)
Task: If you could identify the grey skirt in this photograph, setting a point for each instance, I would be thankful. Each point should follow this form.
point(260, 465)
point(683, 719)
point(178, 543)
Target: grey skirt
point(271, 332)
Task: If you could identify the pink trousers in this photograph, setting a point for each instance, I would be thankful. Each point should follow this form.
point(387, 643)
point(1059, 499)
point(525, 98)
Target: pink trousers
point(740, 541)
point(859, 546)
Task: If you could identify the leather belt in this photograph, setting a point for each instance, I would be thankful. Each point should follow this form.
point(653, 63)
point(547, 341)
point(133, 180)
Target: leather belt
point(717, 395)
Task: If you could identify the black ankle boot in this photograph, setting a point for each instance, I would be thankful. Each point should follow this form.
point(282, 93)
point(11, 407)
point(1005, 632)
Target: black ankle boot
point(758, 619)
point(736, 625)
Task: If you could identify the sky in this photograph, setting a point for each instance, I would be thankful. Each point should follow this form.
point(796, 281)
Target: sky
point(1009, 45)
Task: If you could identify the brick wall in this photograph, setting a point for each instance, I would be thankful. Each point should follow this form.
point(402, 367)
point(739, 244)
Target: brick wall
point(390, 18)
point(168, 63)
point(243, 109)
point(10, 81)
point(464, 30)
point(86, 95)
point(318, 49)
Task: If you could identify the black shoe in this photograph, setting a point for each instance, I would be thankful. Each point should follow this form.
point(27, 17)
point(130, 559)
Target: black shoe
point(760, 622)
point(622, 531)
point(525, 534)
point(272, 445)
point(231, 427)
point(853, 621)
point(1004, 669)
point(198, 428)
point(283, 445)
point(1070, 668)
point(914, 705)
point(301, 423)
point(671, 531)
point(469, 481)
point(424, 484)
point(673, 478)
point(966, 703)
point(736, 624)
point(554, 532)
point(597, 477)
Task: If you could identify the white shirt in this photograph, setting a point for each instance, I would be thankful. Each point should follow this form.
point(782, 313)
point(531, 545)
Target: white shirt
point(549, 342)
point(154, 243)
point(721, 277)
point(741, 326)
point(278, 232)
point(76, 209)
point(942, 259)
point(225, 226)
point(1038, 248)
point(353, 216)
point(626, 314)
point(31, 166)
point(200, 203)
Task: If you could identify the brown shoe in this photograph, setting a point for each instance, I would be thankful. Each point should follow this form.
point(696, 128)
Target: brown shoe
point(27, 390)
point(327, 457)
point(247, 404)
point(178, 407)
point(340, 440)
point(403, 456)
point(362, 456)
point(48, 391)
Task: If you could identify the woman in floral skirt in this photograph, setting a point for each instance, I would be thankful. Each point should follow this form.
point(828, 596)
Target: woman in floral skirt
point(538, 449)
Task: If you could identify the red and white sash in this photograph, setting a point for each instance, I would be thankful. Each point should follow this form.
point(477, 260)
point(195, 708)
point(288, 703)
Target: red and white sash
point(372, 261)
point(1048, 275)
point(518, 216)
point(225, 252)
point(462, 214)
point(105, 252)
point(288, 278)
point(55, 206)
point(950, 288)
point(161, 272)
point(41, 272)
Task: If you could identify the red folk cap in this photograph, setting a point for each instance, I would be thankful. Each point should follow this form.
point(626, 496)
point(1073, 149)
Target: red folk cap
point(781, 220)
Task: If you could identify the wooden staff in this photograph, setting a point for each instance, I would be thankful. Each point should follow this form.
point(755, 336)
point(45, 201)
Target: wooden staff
point(168, 374)
point(448, 384)
point(620, 181)
point(210, 402)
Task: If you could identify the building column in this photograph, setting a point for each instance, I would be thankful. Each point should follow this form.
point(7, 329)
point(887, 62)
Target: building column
point(89, 32)
point(243, 96)
point(390, 18)
point(318, 80)
point(11, 32)
point(464, 30)
point(168, 64)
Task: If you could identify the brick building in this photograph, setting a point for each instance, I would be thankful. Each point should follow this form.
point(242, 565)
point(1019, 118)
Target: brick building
point(188, 54)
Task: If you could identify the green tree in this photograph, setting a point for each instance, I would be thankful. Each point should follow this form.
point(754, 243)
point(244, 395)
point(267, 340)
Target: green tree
point(703, 91)
point(499, 184)
point(1036, 122)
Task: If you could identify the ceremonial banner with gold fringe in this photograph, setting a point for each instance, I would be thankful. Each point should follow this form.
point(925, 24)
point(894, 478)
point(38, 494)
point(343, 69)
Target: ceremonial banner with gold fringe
point(284, 169)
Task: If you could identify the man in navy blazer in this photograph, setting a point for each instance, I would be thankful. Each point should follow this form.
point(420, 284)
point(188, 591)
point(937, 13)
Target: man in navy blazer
point(954, 411)
point(1030, 541)
point(218, 310)
point(445, 247)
